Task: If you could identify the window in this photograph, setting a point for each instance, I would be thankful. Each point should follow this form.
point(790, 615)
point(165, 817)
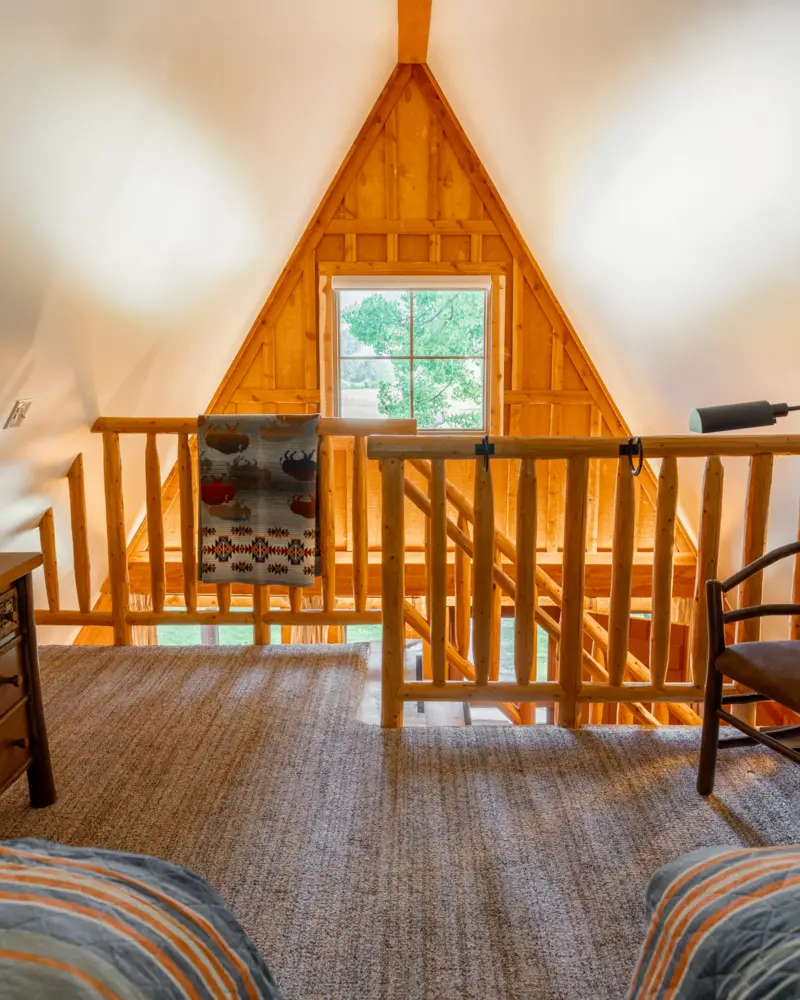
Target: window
point(413, 352)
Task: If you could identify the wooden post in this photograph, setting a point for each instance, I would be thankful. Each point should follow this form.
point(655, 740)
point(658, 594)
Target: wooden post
point(593, 501)
point(463, 599)
point(326, 522)
point(155, 524)
point(393, 587)
point(525, 611)
point(438, 571)
point(261, 601)
point(483, 572)
point(619, 615)
point(80, 538)
point(666, 510)
point(47, 539)
point(574, 560)
point(360, 539)
point(117, 548)
point(188, 539)
point(707, 558)
point(295, 599)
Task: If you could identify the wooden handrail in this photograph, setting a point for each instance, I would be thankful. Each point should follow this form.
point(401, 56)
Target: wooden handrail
point(328, 426)
point(689, 446)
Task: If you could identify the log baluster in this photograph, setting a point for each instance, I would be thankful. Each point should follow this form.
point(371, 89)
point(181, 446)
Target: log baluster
point(573, 567)
point(437, 568)
point(47, 540)
point(666, 512)
point(261, 602)
point(463, 594)
point(155, 524)
point(80, 537)
point(707, 559)
point(360, 539)
point(393, 589)
point(188, 530)
point(327, 527)
point(483, 584)
point(525, 610)
point(619, 615)
point(117, 547)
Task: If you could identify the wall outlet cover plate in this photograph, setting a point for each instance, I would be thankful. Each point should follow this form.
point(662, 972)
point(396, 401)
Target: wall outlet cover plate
point(18, 413)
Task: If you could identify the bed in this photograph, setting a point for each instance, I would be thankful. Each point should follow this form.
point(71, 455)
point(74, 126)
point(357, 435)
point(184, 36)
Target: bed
point(76, 922)
point(723, 923)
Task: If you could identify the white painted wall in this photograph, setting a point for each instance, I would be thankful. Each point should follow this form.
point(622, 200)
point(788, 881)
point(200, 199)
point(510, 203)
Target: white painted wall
point(649, 153)
point(159, 161)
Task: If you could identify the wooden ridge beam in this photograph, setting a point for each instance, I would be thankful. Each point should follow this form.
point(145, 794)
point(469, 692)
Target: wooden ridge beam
point(413, 28)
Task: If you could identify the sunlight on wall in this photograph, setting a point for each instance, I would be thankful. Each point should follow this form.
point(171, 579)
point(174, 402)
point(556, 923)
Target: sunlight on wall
point(690, 192)
point(126, 196)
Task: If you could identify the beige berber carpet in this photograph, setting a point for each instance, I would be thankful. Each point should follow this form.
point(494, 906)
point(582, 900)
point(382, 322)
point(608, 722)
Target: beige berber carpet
point(427, 864)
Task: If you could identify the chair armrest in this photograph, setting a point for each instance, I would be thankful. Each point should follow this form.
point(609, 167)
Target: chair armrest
point(758, 564)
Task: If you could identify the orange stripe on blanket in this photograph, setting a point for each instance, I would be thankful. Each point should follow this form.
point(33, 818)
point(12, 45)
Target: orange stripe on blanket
point(718, 915)
point(731, 877)
point(186, 911)
point(85, 911)
point(53, 963)
point(88, 887)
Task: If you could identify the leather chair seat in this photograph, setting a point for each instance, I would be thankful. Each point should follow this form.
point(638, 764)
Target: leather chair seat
point(770, 668)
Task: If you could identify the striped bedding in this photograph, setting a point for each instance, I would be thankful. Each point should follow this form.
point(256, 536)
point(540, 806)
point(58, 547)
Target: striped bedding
point(82, 923)
point(724, 923)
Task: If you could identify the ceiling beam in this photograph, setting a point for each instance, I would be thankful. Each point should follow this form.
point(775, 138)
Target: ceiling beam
point(413, 27)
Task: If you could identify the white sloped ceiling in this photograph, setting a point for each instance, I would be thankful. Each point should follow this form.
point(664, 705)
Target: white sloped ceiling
point(159, 161)
point(649, 153)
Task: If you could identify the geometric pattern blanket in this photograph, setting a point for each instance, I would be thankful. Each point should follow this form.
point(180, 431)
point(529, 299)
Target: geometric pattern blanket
point(79, 922)
point(258, 499)
point(725, 925)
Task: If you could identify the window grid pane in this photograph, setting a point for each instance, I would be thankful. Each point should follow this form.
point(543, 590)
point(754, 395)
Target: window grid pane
point(377, 378)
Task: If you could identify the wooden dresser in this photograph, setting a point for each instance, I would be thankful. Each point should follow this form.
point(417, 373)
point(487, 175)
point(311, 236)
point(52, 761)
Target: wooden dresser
point(23, 736)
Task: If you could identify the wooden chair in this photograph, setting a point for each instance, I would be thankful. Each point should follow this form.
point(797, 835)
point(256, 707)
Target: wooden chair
point(770, 669)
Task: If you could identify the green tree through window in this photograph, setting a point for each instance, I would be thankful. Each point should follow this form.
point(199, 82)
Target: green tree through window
point(413, 353)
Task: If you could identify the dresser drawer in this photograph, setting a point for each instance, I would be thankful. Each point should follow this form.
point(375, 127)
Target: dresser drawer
point(12, 675)
point(15, 739)
point(9, 613)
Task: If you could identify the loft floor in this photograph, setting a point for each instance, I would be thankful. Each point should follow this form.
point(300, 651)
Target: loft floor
point(367, 864)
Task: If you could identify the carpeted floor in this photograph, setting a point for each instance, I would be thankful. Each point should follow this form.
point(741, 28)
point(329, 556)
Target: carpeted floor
point(427, 864)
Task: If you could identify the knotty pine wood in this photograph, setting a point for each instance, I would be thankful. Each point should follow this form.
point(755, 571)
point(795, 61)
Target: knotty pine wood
point(408, 183)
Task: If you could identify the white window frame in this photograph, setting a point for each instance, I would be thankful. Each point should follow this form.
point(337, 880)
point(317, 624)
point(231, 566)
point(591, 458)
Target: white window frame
point(442, 283)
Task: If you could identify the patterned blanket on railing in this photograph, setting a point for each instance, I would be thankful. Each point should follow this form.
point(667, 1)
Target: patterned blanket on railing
point(82, 922)
point(724, 924)
point(258, 499)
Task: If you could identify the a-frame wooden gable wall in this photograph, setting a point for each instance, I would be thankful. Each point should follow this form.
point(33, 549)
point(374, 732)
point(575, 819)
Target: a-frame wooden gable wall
point(411, 193)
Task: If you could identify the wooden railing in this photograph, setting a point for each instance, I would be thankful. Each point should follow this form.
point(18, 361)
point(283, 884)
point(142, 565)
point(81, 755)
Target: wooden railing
point(588, 664)
point(259, 606)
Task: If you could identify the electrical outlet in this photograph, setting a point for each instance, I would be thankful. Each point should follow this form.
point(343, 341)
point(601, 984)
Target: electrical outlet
point(18, 413)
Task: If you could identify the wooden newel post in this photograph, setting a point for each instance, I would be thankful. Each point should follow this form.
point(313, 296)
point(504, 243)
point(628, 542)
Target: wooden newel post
point(188, 529)
point(326, 521)
point(393, 588)
point(117, 547)
point(483, 572)
point(574, 562)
